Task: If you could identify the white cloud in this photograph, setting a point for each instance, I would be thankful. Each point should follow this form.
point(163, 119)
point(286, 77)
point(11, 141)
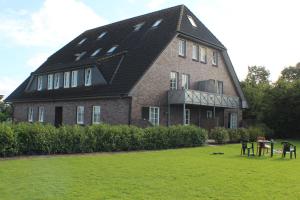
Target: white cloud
point(54, 24)
point(8, 85)
point(155, 4)
point(35, 61)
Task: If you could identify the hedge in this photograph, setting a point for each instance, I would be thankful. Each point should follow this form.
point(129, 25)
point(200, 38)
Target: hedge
point(36, 138)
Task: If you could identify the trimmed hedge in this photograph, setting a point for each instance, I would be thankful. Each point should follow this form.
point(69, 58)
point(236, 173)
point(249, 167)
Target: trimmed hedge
point(32, 139)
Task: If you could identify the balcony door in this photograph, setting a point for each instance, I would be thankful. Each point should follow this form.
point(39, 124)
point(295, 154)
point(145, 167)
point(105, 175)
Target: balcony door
point(232, 120)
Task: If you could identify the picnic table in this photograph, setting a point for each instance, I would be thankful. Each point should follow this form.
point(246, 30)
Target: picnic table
point(263, 144)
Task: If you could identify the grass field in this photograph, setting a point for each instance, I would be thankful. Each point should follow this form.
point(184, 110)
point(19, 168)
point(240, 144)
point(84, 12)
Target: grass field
point(191, 173)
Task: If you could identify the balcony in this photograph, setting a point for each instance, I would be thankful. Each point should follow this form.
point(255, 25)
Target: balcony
point(197, 97)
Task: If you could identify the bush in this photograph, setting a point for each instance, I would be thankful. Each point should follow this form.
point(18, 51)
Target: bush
point(220, 135)
point(243, 133)
point(7, 141)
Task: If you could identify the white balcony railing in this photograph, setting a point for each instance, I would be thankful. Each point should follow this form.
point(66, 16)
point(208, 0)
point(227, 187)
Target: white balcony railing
point(197, 97)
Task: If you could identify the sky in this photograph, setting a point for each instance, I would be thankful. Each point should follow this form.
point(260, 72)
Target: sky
point(255, 32)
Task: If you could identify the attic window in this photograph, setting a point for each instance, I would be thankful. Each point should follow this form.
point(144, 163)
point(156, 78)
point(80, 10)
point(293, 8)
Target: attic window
point(138, 26)
point(82, 41)
point(79, 55)
point(112, 49)
point(192, 21)
point(101, 35)
point(156, 23)
point(96, 52)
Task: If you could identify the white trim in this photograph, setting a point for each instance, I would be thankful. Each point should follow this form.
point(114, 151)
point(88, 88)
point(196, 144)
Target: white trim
point(172, 81)
point(96, 115)
point(185, 81)
point(50, 82)
point(215, 58)
point(41, 114)
point(181, 47)
point(80, 115)
point(195, 52)
point(88, 77)
point(154, 117)
point(30, 114)
point(67, 79)
point(203, 54)
point(56, 81)
point(187, 117)
point(74, 78)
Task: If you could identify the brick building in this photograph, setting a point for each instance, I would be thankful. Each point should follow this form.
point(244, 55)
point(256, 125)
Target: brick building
point(162, 68)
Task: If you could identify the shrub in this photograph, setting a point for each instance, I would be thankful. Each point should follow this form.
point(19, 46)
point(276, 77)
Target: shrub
point(243, 133)
point(7, 141)
point(234, 135)
point(220, 135)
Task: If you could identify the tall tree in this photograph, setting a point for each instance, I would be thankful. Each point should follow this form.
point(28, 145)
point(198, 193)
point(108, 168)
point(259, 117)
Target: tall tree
point(257, 75)
point(291, 73)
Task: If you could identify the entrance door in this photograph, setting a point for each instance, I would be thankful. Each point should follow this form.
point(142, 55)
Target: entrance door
point(58, 116)
point(232, 120)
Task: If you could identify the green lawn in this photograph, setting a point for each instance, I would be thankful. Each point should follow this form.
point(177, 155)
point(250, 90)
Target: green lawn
point(191, 173)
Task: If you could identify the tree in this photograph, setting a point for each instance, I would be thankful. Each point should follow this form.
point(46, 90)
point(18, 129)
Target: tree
point(257, 75)
point(291, 73)
point(5, 111)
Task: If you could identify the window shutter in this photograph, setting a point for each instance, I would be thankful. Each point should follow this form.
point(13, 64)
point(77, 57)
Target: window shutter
point(145, 113)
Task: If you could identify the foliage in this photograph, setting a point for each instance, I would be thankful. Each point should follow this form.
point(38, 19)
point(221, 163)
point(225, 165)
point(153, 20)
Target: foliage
point(5, 111)
point(7, 141)
point(220, 135)
point(257, 75)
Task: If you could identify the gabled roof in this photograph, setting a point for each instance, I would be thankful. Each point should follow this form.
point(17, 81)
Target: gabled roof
point(135, 53)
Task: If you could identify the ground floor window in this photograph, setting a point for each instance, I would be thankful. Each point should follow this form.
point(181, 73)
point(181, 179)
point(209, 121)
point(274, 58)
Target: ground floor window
point(80, 114)
point(30, 114)
point(96, 114)
point(187, 116)
point(154, 115)
point(233, 120)
point(209, 114)
point(41, 114)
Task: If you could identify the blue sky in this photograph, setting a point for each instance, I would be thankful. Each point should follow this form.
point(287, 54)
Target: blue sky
point(255, 32)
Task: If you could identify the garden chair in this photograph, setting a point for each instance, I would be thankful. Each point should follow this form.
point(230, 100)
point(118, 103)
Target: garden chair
point(261, 145)
point(246, 146)
point(288, 148)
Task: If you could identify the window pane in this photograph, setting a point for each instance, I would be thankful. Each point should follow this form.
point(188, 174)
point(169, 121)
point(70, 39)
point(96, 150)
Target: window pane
point(181, 47)
point(74, 78)
point(50, 81)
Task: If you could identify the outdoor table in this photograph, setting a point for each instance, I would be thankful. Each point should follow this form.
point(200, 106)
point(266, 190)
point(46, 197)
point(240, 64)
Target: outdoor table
point(262, 143)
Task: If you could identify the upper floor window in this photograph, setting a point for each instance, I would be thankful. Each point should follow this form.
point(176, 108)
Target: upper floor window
point(50, 81)
point(192, 21)
point(74, 78)
point(187, 116)
point(154, 115)
point(88, 77)
point(41, 114)
point(220, 87)
point(30, 114)
point(215, 58)
point(66, 79)
point(173, 80)
point(138, 26)
point(40, 83)
point(96, 52)
point(185, 82)
point(80, 115)
point(101, 35)
point(195, 55)
point(156, 23)
point(96, 114)
point(203, 54)
point(181, 47)
point(82, 41)
point(112, 49)
point(56, 81)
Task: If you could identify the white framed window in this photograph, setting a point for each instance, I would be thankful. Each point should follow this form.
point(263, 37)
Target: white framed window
point(181, 47)
point(88, 77)
point(173, 80)
point(74, 78)
point(154, 115)
point(112, 49)
point(220, 87)
point(40, 83)
point(209, 114)
point(156, 23)
point(192, 21)
point(96, 114)
point(203, 54)
point(185, 81)
point(50, 81)
point(96, 52)
point(80, 115)
point(101, 35)
point(30, 114)
point(82, 41)
point(215, 58)
point(195, 55)
point(41, 114)
point(67, 79)
point(187, 116)
point(56, 81)
point(138, 26)
point(233, 120)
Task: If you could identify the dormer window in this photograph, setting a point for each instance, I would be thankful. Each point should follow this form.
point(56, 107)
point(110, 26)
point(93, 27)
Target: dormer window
point(40, 83)
point(79, 55)
point(156, 23)
point(101, 35)
point(96, 52)
point(192, 21)
point(111, 50)
point(88, 77)
point(138, 26)
point(82, 41)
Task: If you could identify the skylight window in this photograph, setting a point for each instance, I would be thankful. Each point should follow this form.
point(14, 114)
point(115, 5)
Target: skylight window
point(192, 21)
point(79, 55)
point(156, 23)
point(96, 52)
point(101, 35)
point(82, 41)
point(111, 50)
point(138, 26)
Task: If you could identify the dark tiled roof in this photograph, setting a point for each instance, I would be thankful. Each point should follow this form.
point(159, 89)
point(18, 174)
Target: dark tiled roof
point(135, 53)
